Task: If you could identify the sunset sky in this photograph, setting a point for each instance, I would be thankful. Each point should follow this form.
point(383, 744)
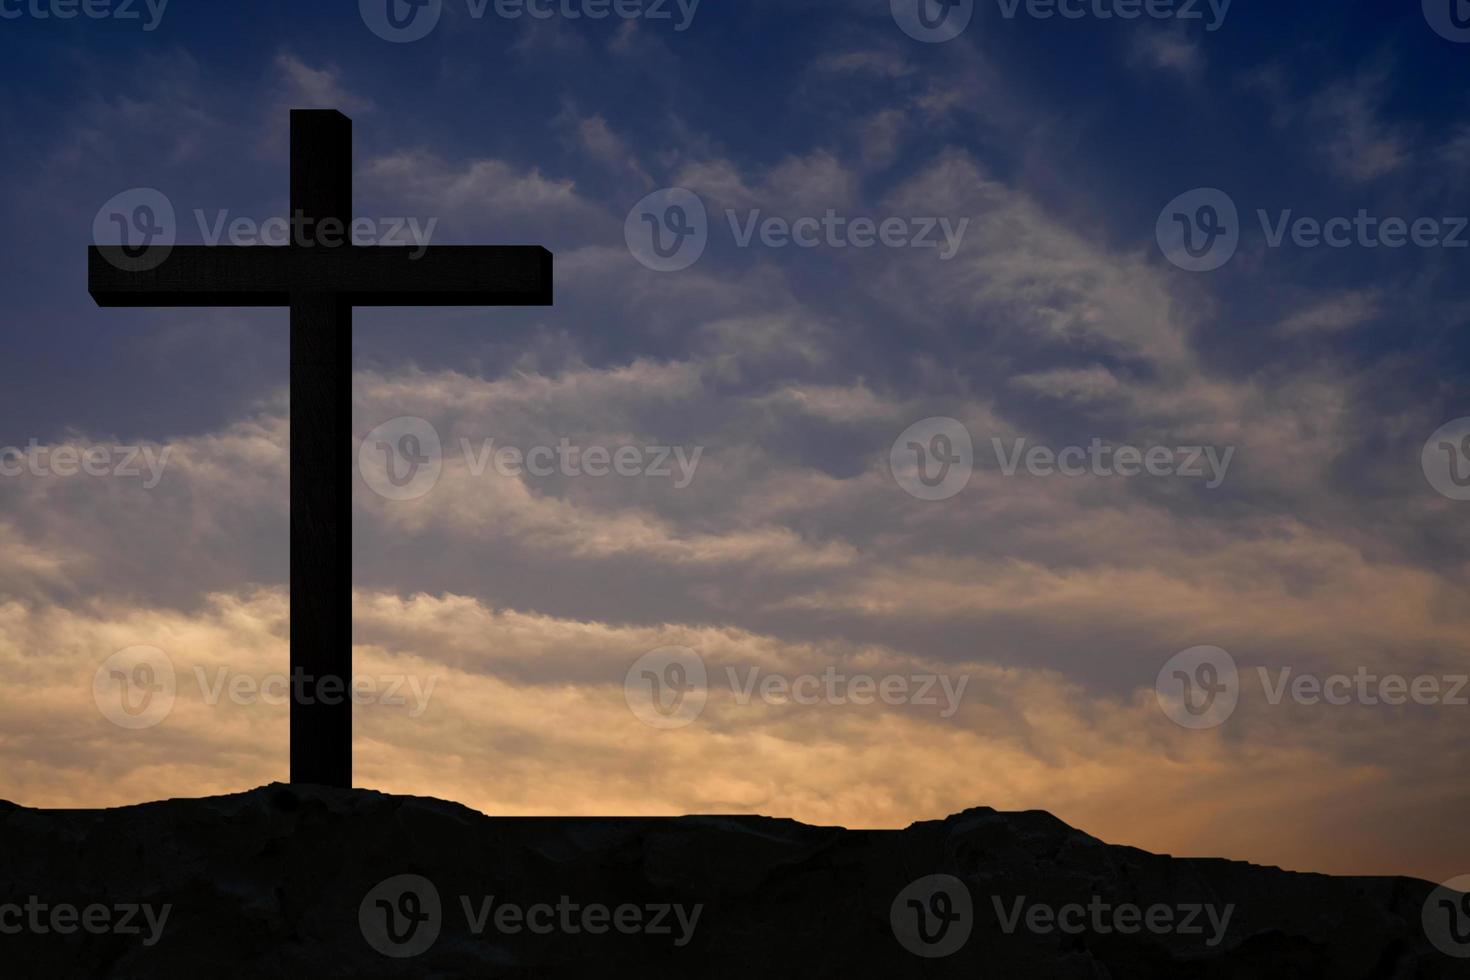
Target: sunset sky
point(780, 540)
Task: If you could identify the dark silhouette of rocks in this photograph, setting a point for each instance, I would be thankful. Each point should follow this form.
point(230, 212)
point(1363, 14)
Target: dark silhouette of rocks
point(287, 881)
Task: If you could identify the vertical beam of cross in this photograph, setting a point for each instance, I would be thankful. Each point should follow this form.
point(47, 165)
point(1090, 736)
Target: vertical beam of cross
point(320, 276)
point(321, 470)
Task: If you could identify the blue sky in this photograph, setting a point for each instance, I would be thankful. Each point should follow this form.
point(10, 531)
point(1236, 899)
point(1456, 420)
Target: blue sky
point(1103, 142)
point(1059, 320)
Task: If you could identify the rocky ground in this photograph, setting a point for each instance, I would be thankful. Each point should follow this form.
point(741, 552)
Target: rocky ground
point(308, 882)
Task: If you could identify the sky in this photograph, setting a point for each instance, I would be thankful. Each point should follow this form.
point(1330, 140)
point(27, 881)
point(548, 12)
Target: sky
point(871, 553)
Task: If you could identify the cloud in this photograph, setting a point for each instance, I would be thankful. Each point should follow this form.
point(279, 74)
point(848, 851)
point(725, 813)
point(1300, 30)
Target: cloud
point(219, 498)
point(1022, 272)
point(1351, 309)
point(1344, 118)
point(795, 186)
point(597, 139)
point(539, 704)
point(1168, 51)
point(881, 63)
point(879, 137)
point(305, 87)
point(485, 188)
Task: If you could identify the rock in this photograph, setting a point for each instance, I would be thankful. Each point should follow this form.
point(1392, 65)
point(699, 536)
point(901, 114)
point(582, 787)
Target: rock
point(292, 881)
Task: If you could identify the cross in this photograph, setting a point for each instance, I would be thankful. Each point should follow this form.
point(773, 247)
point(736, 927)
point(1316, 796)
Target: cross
point(321, 281)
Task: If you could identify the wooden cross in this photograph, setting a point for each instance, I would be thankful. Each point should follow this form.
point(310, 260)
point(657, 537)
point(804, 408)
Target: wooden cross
point(321, 283)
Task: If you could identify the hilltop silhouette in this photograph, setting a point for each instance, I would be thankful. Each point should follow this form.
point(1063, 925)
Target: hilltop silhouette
point(310, 881)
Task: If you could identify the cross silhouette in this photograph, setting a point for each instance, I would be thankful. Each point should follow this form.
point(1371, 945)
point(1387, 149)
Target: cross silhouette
point(321, 281)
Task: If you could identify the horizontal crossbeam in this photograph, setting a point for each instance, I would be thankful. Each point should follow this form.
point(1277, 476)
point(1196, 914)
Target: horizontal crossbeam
point(440, 275)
